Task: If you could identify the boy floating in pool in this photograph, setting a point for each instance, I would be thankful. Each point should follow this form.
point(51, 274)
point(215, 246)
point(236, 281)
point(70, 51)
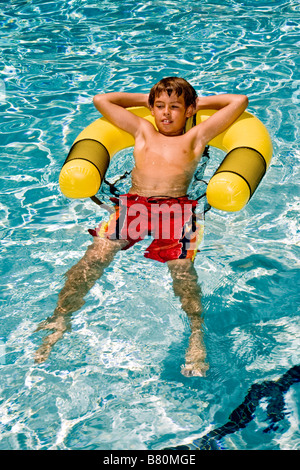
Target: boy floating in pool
point(165, 161)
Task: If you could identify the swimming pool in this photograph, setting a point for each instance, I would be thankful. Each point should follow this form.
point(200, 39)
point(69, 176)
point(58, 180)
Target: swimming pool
point(114, 380)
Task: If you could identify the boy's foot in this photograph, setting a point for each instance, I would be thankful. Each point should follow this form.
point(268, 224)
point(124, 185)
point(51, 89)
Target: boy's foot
point(194, 369)
point(195, 365)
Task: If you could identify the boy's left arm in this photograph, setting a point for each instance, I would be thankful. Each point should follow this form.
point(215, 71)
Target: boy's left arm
point(229, 107)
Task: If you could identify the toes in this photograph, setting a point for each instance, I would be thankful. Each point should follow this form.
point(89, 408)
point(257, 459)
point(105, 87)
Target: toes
point(194, 370)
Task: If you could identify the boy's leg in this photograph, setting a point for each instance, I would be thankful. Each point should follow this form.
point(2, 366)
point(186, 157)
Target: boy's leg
point(186, 287)
point(79, 280)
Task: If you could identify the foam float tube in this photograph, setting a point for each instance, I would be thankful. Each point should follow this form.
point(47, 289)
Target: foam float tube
point(246, 142)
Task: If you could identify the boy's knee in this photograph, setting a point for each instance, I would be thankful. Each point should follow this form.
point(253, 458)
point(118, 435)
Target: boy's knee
point(181, 268)
point(105, 248)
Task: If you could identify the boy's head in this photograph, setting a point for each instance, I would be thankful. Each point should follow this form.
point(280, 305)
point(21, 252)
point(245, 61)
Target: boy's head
point(172, 100)
point(173, 84)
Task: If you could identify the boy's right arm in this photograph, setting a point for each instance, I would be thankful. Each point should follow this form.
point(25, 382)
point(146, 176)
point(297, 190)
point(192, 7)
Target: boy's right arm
point(113, 107)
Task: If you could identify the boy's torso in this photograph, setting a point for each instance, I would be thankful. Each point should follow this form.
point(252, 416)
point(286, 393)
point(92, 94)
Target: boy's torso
point(164, 165)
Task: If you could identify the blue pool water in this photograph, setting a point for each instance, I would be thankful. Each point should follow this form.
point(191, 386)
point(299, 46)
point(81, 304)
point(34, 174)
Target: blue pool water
point(114, 381)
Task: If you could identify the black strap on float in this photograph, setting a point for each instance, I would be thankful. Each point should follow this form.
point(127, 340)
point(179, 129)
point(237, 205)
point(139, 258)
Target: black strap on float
point(207, 206)
point(112, 188)
point(190, 123)
point(96, 200)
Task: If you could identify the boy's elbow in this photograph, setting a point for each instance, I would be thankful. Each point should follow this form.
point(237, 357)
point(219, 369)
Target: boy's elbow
point(244, 100)
point(97, 100)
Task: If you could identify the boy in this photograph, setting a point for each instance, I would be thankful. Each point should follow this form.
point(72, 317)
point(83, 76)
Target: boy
point(165, 161)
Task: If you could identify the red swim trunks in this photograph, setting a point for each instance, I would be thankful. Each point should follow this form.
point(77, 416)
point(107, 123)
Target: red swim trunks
point(172, 222)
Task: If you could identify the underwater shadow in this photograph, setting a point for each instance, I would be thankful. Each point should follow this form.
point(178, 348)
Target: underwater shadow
point(273, 391)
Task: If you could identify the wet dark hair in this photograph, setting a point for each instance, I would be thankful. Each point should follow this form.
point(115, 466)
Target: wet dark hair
point(173, 84)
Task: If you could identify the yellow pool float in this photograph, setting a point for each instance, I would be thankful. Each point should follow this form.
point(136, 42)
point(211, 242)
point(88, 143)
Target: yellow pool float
point(246, 142)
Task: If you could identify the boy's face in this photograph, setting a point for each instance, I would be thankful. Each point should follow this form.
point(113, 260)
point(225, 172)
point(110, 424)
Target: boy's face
point(170, 113)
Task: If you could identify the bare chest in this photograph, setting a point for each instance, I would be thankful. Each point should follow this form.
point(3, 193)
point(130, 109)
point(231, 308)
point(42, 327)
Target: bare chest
point(170, 153)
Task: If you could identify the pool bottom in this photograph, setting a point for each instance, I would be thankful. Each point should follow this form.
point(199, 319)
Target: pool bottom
point(273, 391)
